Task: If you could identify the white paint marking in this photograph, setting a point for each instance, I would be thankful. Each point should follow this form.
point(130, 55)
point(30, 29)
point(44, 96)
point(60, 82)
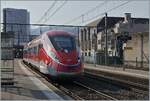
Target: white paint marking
point(44, 89)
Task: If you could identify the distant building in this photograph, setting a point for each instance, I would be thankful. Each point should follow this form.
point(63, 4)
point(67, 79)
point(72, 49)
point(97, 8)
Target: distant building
point(111, 21)
point(88, 40)
point(116, 27)
point(131, 49)
point(21, 16)
point(136, 50)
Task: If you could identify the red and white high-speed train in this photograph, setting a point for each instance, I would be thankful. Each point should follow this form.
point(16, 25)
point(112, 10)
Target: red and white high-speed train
point(55, 53)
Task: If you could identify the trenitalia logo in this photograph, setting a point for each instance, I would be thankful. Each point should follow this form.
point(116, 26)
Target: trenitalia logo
point(66, 51)
point(68, 60)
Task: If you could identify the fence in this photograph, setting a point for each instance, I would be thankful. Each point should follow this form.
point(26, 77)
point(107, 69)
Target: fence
point(7, 58)
point(111, 60)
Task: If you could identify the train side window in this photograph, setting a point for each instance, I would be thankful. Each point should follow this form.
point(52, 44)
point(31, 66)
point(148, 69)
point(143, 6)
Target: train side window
point(40, 45)
point(31, 50)
point(36, 50)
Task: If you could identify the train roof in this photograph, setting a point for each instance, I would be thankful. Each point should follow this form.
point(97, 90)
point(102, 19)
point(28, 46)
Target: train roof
point(58, 32)
point(50, 33)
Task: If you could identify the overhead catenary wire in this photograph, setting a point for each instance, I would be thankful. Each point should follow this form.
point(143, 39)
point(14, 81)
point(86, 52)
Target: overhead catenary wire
point(98, 6)
point(56, 11)
point(118, 6)
point(109, 10)
point(100, 13)
point(47, 11)
point(76, 18)
point(43, 25)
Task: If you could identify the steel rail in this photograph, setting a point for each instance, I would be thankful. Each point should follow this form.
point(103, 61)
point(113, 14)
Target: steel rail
point(67, 91)
point(76, 97)
point(101, 93)
point(71, 94)
point(118, 81)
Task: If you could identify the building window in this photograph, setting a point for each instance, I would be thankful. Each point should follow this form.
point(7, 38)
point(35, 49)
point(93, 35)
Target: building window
point(85, 54)
point(99, 41)
point(88, 33)
point(110, 52)
point(94, 31)
point(81, 35)
point(89, 53)
point(109, 38)
point(85, 34)
point(82, 54)
point(112, 41)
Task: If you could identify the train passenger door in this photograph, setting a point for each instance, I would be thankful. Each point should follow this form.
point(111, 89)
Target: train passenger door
point(40, 46)
point(36, 53)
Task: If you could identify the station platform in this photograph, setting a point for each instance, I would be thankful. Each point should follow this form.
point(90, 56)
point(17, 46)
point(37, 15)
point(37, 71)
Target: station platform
point(119, 71)
point(28, 86)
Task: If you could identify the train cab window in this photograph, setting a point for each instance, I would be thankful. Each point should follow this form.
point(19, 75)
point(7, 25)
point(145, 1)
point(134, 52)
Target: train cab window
point(63, 42)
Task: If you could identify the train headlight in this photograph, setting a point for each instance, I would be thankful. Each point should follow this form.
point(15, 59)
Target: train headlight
point(53, 56)
point(79, 59)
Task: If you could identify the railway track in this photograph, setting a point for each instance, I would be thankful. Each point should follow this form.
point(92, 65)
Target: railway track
point(105, 96)
point(119, 82)
point(83, 90)
point(80, 91)
point(139, 81)
point(118, 90)
point(92, 87)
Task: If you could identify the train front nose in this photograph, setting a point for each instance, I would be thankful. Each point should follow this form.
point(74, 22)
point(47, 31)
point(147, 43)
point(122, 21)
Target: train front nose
point(68, 57)
point(69, 64)
point(65, 55)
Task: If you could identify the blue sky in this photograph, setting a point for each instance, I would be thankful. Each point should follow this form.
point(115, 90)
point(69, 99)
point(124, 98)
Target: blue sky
point(74, 9)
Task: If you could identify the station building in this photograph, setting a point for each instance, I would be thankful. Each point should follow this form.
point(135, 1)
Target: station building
point(135, 49)
point(88, 40)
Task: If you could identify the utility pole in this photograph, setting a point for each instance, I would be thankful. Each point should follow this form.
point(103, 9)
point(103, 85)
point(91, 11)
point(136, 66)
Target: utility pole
point(82, 18)
point(141, 50)
point(95, 47)
point(5, 25)
point(106, 47)
point(40, 30)
point(78, 37)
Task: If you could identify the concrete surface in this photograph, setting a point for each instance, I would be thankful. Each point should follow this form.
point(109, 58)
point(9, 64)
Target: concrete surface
point(27, 87)
point(119, 70)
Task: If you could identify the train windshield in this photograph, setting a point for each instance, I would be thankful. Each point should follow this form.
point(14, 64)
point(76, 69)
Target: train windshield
point(63, 42)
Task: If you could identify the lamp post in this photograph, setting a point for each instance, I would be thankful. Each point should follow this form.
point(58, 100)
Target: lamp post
point(106, 47)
